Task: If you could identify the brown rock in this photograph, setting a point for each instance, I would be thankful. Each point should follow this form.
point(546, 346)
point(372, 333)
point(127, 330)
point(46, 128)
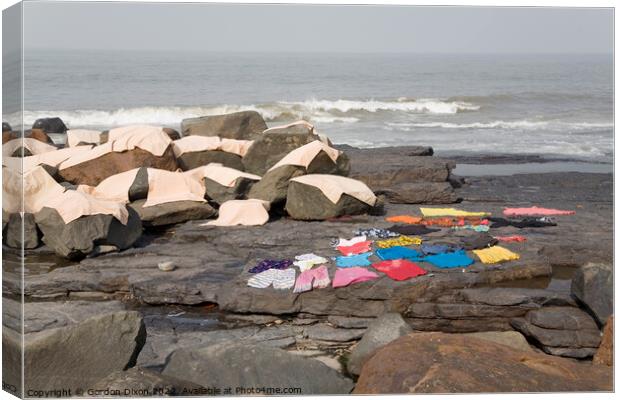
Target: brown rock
point(444, 363)
point(605, 353)
point(92, 172)
point(40, 135)
point(172, 133)
point(8, 135)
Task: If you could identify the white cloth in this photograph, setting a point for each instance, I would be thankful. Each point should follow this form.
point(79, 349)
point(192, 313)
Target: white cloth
point(242, 212)
point(300, 122)
point(303, 156)
point(307, 261)
point(75, 136)
point(334, 186)
point(350, 242)
point(280, 279)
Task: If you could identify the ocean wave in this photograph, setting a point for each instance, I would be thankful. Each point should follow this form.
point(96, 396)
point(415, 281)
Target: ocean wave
point(522, 124)
point(430, 106)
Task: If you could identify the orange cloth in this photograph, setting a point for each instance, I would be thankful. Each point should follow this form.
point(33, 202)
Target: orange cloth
point(242, 212)
point(405, 219)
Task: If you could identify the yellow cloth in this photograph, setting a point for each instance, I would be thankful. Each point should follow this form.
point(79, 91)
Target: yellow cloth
point(334, 186)
point(400, 241)
point(449, 212)
point(495, 254)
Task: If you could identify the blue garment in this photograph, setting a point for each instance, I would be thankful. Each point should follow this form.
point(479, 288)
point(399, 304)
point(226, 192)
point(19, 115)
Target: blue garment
point(398, 252)
point(435, 248)
point(358, 260)
point(450, 260)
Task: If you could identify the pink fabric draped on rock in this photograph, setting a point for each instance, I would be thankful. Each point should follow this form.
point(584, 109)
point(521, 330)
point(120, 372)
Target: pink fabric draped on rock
point(75, 136)
point(300, 122)
point(113, 188)
point(38, 188)
point(72, 205)
point(167, 186)
point(334, 186)
point(304, 155)
point(33, 145)
point(51, 158)
point(242, 212)
point(190, 144)
point(348, 276)
point(225, 176)
point(535, 211)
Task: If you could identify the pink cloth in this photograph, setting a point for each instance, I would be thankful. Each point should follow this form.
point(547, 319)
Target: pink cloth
point(51, 158)
point(317, 278)
point(513, 238)
point(356, 248)
point(225, 176)
point(113, 188)
point(36, 186)
point(166, 187)
point(304, 155)
point(348, 276)
point(33, 145)
point(72, 204)
point(334, 186)
point(75, 136)
point(190, 144)
point(513, 212)
point(242, 212)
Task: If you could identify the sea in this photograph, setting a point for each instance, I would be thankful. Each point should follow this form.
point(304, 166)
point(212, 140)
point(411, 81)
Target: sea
point(558, 106)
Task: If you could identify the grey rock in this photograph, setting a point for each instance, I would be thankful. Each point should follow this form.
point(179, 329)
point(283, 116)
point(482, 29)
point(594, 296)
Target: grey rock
point(327, 333)
point(305, 202)
point(79, 237)
point(6, 127)
point(515, 296)
point(172, 133)
point(141, 382)
point(419, 193)
point(172, 212)
point(245, 125)
point(50, 125)
point(139, 189)
point(508, 338)
point(250, 366)
point(580, 352)
point(21, 152)
point(566, 318)
point(340, 321)
point(197, 159)
point(220, 194)
point(556, 337)
point(273, 186)
point(382, 331)
point(593, 286)
point(14, 229)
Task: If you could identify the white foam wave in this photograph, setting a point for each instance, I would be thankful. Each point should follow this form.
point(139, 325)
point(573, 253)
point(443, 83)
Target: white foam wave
point(430, 106)
point(522, 124)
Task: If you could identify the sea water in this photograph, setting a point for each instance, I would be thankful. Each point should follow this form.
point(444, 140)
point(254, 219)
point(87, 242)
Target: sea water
point(554, 105)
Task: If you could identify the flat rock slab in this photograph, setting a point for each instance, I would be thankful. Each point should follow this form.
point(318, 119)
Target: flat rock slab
point(327, 333)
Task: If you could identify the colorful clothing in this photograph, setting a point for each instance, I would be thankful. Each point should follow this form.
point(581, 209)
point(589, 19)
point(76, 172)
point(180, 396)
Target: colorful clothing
point(397, 252)
point(358, 260)
point(376, 232)
point(400, 241)
point(513, 238)
point(449, 260)
point(317, 278)
point(399, 270)
point(496, 254)
point(436, 248)
point(270, 264)
point(348, 242)
point(309, 260)
point(405, 219)
point(280, 279)
point(357, 248)
point(513, 212)
point(449, 212)
point(345, 277)
point(475, 228)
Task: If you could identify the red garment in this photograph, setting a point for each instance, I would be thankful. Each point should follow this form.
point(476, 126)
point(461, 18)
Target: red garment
point(400, 269)
point(513, 238)
point(357, 248)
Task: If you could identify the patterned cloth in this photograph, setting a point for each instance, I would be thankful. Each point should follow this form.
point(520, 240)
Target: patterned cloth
point(358, 260)
point(376, 232)
point(309, 260)
point(400, 241)
point(476, 228)
point(270, 264)
point(349, 276)
point(317, 278)
point(280, 279)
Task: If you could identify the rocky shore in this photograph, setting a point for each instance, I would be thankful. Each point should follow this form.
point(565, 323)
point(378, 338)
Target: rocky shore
point(540, 319)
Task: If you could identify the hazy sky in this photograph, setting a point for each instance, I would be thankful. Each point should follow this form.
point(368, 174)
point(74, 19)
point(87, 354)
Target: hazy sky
point(206, 27)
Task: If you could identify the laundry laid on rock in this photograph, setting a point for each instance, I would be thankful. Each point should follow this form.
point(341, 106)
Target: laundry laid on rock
point(495, 254)
point(348, 242)
point(412, 229)
point(242, 212)
point(449, 212)
point(113, 188)
point(527, 222)
point(376, 233)
point(399, 241)
point(449, 222)
point(478, 241)
point(28, 192)
point(349, 276)
point(270, 264)
point(34, 146)
point(399, 270)
point(280, 279)
point(72, 204)
point(309, 260)
point(195, 143)
point(304, 155)
point(396, 252)
point(476, 228)
point(357, 248)
point(513, 238)
point(77, 136)
point(317, 278)
point(449, 260)
point(216, 172)
point(358, 260)
point(513, 212)
point(437, 248)
point(167, 187)
point(334, 187)
point(405, 219)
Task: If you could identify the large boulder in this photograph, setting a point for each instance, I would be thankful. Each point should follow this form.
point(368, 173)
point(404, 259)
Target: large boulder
point(75, 357)
point(40, 135)
point(255, 368)
point(220, 193)
point(6, 127)
point(50, 125)
point(307, 202)
point(381, 331)
point(142, 382)
point(562, 331)
point(449, 363)
point(592, 285)
point(8, 136)
point(92, 172)
point(197, 159)
point(171, 213)
point(605, 353)
point(16, 226)
point(81, 236)
point(245, 125)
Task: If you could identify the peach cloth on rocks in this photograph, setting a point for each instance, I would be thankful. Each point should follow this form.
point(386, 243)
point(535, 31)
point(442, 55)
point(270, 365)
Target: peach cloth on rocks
point(242, 212)
point(225, 176)
point(334, 186)
point(113, 188)
point(33, 145)
point(300, 122)
point(38, 188)
point(535, 211)
point(150, 138)
point(304, 155)
point(75, 136)
point(190, 144)
point(167, 186)
point(51, 158)
point(72, 205)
